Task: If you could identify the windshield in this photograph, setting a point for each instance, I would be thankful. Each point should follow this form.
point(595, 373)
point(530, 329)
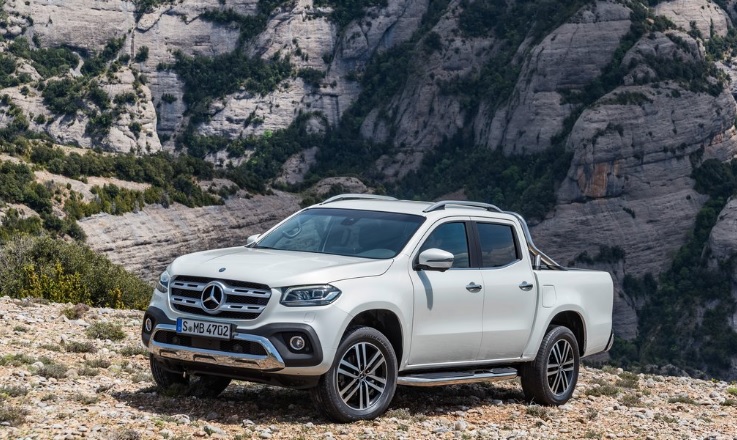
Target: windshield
point(368, 234)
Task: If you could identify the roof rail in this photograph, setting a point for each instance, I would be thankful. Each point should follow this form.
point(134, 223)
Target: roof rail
point(489, 207)
point(356, 197)
point(442, 204)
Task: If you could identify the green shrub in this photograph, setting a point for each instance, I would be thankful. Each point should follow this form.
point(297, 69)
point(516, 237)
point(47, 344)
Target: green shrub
point(51, 369)
point(16, 360)
point(97, 363)
point(346, 11)
point(80, 347)
point(105, 330)
point(13, 390)
point(75, 312)
point(141, 54)
point(11, 414)
point(59, 271)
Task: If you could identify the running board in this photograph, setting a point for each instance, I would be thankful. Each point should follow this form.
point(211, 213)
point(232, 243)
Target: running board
point(456, 377)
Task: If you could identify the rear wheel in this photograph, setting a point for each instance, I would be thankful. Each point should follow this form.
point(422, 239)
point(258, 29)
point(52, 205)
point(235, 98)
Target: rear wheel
point(551, 378)
point(204, 385)
point(361, 383)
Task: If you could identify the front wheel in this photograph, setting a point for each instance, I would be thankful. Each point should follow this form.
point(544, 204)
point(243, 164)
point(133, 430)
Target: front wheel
point(360, 384)
point(551, 378)
point(198, 386)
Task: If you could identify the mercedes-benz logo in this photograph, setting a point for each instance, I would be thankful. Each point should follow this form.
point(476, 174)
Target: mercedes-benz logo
point(212, 297)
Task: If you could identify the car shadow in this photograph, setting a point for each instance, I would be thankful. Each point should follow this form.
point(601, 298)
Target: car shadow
point(268, 404)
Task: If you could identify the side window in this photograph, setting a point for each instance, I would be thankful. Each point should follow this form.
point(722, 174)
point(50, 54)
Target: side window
point(498, 247)
point(450, 237)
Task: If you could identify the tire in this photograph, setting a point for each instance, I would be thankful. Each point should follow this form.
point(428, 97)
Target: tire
point(198, 386)
point(551, 378)
point(205, 385)
point(361, 383)
point(164, 378)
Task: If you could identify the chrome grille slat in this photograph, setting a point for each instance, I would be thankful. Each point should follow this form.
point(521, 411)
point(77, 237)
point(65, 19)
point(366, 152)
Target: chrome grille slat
point(198, 287)
point(241, 300)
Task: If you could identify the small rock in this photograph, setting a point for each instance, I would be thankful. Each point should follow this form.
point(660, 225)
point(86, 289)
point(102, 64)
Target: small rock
point(212, 416)
point(247, 422)
point(209, 429)
point(181, 418)
point(37, 365)
point(460, 425)
point(264, 434)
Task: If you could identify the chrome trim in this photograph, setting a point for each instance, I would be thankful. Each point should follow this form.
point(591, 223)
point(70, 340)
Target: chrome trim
point(271, 362)
point(228, 292)
point(356, 197)
point(442, 204)
point(455, 378)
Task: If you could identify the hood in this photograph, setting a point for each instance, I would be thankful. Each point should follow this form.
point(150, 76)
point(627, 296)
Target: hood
point(276, 268)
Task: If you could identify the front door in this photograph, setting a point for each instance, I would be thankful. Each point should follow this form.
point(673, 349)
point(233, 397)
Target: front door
point(448, 305)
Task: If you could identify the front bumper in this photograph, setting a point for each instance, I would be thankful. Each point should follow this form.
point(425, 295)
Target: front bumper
point(264, 348)
point(270, 361)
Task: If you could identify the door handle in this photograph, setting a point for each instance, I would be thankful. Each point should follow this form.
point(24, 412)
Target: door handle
point(526, 286)
point(473, 287)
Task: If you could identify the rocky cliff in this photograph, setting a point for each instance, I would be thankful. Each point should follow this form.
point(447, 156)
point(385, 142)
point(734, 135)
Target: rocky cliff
point(638, 97)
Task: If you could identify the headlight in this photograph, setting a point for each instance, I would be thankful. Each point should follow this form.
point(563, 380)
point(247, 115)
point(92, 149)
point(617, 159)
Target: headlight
point(163, 284)
point(301, 296)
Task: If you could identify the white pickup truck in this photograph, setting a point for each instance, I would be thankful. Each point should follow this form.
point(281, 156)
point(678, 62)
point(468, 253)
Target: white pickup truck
point(361, 293)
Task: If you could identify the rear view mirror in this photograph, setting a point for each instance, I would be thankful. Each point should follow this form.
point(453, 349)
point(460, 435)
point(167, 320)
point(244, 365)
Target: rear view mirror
point(435, 259)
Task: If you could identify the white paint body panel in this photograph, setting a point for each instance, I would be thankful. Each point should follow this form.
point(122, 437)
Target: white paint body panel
point(442, 323)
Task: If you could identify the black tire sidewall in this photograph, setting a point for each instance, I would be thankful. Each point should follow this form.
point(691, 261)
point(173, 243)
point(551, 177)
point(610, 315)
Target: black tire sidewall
point(328, 396)
point(535, 378)
point(162, 377)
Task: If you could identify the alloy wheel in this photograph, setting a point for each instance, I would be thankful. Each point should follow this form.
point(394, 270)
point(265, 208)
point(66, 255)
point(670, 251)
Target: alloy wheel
point(560, 367)
point(362, 376)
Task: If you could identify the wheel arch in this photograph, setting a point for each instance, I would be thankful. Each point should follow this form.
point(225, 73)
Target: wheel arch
point(574, 322)
point(385, 321)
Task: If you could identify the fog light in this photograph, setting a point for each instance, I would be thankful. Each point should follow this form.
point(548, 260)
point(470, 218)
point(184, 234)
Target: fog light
point(297, 343)
point(148, 324)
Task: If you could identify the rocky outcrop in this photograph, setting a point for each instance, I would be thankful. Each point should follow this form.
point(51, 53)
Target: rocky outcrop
point(723, 244)
point(147, 241)
point(705, 16)
point(567, 59)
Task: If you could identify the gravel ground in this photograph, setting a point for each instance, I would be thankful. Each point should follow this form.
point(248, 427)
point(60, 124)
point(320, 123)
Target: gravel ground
point(59, 381)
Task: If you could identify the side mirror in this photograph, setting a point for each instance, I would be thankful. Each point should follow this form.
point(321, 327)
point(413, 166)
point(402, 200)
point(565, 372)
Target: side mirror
point(252, 239)
point(434, 259)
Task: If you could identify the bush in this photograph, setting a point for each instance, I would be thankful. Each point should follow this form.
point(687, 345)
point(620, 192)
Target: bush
point(105, 330)
point(141, 54)
point(80, 347)
point(67, 272)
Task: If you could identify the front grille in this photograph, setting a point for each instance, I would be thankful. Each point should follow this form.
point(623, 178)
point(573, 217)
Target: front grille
point(247, 347)
point(241, 299)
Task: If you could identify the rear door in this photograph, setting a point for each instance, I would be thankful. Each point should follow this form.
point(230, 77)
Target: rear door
point(447, 305)
point(510, 290)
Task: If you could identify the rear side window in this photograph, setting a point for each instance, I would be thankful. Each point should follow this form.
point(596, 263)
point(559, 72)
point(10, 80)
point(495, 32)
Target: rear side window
point(498, 246)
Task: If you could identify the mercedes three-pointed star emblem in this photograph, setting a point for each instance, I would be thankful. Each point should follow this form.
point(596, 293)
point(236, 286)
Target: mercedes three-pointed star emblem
point(212, 298)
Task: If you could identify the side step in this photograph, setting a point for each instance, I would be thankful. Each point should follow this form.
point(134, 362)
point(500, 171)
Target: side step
point(456, 377)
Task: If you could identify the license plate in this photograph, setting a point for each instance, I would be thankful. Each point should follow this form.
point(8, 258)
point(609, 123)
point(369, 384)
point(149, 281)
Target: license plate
point(203, 328)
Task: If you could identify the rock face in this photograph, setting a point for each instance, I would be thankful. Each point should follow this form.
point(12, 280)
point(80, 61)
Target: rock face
point(706, 16)
point(629, 184)
point(147, 241)
point(567, 59)
point(723, 244)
